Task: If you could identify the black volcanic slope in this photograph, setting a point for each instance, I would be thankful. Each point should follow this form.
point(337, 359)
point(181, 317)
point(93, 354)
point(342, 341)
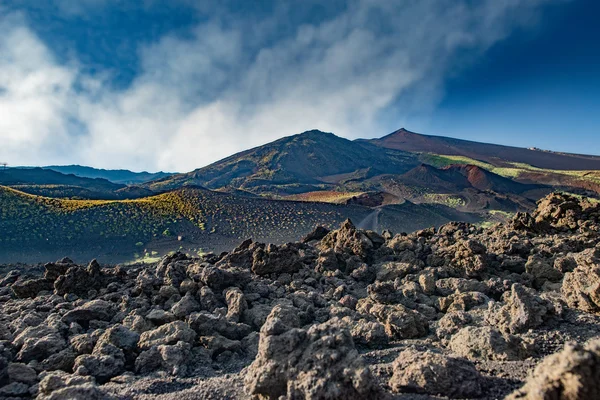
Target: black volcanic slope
point(495, 154)
point(34, 228)
point(297, 162)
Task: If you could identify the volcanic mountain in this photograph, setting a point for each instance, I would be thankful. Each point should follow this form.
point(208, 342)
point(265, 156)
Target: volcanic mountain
point(494, 154)
point(295, 164)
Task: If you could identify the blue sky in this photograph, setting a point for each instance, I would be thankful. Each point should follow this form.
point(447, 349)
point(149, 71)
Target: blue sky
point(149, 84)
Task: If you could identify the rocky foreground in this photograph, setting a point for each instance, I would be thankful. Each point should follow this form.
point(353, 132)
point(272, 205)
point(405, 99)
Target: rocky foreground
point(458, 312)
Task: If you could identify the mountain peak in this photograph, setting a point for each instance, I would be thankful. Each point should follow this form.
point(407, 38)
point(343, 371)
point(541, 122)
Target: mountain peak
point(403, 131)
point(315, 133)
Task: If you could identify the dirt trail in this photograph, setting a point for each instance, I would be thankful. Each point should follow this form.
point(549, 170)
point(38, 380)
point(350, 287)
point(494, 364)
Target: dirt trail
point(371, 221)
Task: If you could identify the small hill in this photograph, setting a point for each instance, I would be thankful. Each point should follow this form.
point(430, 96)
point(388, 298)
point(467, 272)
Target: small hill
point(494, 154)
point(121, 176)
point(295, 164)
point(55, 184)
point(192, 219)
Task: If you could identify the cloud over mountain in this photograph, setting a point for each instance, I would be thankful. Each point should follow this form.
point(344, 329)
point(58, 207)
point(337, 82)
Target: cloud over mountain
point(236, 80)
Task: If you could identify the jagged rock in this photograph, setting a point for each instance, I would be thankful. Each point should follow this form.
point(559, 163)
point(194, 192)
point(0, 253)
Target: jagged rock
point(160, 317)
point(581, 288)
point(174, 357)
point(171, 358)
point(10, 278)
point(18, 372)
point(94, 310)
point(208, 299)
point(558, 210)
point(58, 379)
point(216, 278)
point(462, 301)
point(348, 241)
point(320, 363)
point(163, 264)
point(487, 343)
point(120, 337)
point(174, 273)
point(451, 323)
point(433, 373)
point(572, 374)
point(312, 302)
point(542, 270)
point(15, 389)
point(63, 360)
point(148, 361)
point(38, 347)
point(146, 281)
point(241, 256)
point(53, 270)
point(236, 303)
point(79, 280)
point(137, 323)
point(256, 315)
point(31, 287)
point(80, 392)
point(3, 371)
point(104, 363)
point(317, 234)
point(185, 306)
point(367, 333)
point(218, 344)
point(523, 309)
point(170, 333)
point(207, 324)
point(275, 259)
point(83, 344)
point(449, 286)
point(399, 321)
point(391, 270)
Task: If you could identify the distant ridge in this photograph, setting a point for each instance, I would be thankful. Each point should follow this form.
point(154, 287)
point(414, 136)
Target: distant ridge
point(495, 154)
point(121, 176)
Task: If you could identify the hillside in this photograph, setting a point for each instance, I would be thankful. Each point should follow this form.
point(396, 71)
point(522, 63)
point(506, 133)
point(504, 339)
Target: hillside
point(191, 219)
point(494, 154)
point(50, 183)
point(121, 176)
point(454, 178)
point(460, 312)
point(305, 162)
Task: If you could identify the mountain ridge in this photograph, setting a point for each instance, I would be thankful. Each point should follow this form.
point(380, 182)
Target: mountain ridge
point(308, 159)
point(403, 139)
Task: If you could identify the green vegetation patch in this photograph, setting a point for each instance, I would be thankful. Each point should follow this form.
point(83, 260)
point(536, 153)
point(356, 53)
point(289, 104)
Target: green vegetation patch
point(445, 199)
point(516, 169)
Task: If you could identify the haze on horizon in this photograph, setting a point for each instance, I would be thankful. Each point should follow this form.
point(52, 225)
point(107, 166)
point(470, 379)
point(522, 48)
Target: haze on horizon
point(174, 86)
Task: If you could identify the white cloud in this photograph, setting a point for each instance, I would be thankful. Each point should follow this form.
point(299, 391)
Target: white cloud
point(230, 85)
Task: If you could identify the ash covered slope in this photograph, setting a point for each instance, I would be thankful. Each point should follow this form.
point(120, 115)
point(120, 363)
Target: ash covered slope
point(294, 164)
point(34, 229)
point(459, 311)
point(498, 155)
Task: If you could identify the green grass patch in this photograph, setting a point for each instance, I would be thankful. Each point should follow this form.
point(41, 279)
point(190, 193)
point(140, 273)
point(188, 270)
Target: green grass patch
point(514, 171)
point(445, 199)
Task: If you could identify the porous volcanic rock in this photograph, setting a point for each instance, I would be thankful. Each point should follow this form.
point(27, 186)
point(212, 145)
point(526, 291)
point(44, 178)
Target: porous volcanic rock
point(572, 374)
point(323, 318)
point(318, 363)
point(434, 373)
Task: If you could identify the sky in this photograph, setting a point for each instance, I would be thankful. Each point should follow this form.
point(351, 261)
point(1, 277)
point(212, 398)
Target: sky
point(175, 85)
